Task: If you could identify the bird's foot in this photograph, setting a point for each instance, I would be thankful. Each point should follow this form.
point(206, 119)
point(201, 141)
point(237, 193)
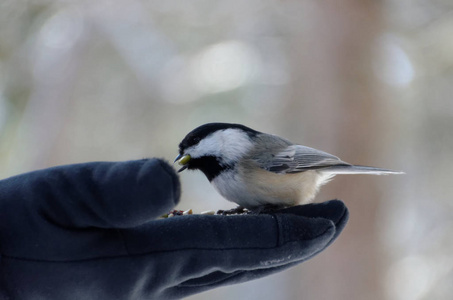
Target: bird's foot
point(234, 211)
point(263, 209)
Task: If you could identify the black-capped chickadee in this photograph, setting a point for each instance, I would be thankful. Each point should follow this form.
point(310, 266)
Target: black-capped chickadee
point(255, 169)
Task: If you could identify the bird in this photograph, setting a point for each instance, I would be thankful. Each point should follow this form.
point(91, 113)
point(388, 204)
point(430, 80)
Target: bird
point(256, 169)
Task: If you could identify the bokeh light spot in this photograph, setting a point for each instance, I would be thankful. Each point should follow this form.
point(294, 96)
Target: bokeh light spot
point(394, 66)
point(224, 66)
point(62, 30)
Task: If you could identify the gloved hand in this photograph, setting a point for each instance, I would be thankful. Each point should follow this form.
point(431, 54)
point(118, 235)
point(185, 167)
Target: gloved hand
point(89, 231)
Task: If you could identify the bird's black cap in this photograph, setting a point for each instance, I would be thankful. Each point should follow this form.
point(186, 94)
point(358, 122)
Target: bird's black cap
point(199, 133)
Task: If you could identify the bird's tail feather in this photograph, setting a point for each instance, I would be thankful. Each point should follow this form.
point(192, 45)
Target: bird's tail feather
point(355, 169)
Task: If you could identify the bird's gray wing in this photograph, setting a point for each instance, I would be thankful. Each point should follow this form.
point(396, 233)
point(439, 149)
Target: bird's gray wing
point(297, 158)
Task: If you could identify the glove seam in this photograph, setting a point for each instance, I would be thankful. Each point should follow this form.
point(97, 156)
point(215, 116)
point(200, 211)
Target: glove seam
point(280, 231)
point(123, 241)
point(229, 276)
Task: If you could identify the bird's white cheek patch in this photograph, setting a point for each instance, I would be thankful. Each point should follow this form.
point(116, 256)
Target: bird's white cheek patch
point(228, 145)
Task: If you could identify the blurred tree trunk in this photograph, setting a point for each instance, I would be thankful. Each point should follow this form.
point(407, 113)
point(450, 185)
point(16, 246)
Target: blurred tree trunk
point(334, 88)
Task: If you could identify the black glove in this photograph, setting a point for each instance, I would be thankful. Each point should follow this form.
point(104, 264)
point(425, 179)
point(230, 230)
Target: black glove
point(89, 231)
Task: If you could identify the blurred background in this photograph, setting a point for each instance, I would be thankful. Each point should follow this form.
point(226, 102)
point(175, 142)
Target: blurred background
point(369, 81)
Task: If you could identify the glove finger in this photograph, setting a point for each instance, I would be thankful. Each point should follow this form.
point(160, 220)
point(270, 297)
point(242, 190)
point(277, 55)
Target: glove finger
point(218, 279)
point(337, 212)
point(222, 232)
point(334, 210)
point(97, 194)
point(201, 245)
point(204, 231)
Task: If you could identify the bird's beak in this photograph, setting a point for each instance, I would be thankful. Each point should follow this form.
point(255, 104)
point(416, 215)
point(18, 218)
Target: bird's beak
point(183, 161)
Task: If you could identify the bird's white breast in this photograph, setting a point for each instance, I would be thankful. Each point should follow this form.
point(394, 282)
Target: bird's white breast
point(251, 187)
